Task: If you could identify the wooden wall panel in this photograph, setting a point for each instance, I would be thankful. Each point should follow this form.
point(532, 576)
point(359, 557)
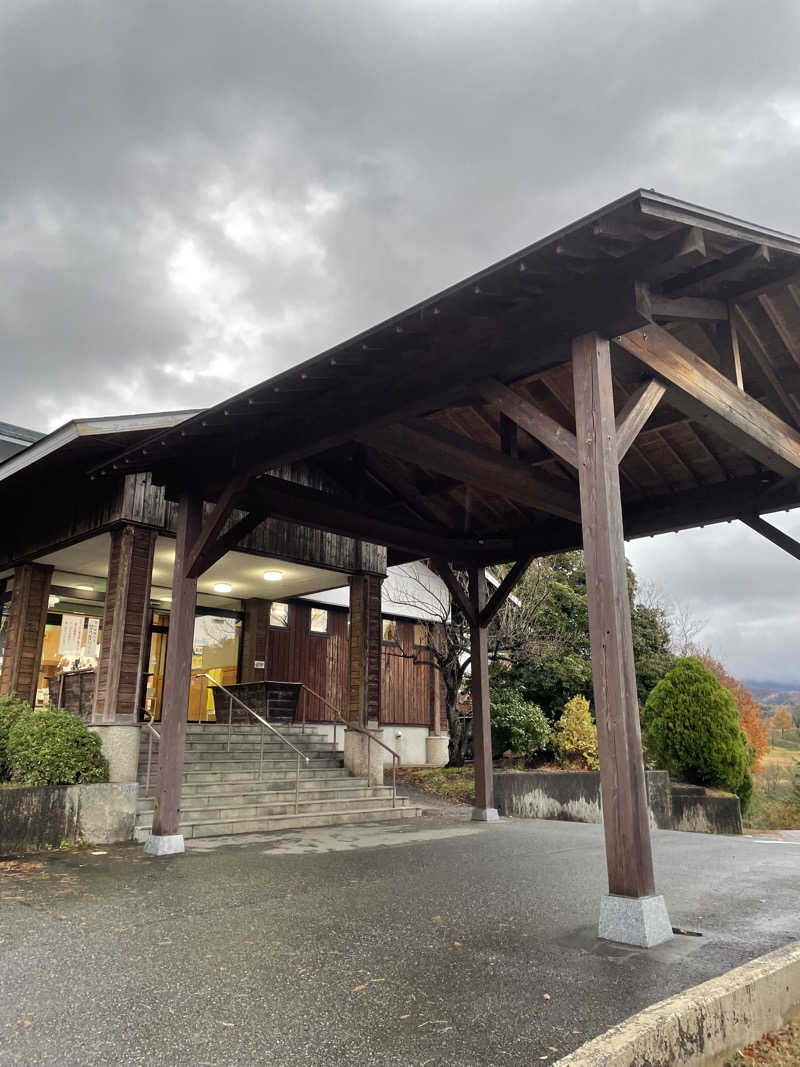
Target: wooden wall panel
point(255, 639)
point(408, 689)
point(320, 661)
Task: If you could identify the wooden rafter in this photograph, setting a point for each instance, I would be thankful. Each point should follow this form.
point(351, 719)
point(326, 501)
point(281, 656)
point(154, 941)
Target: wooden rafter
point(532, 419)
point(761, 356)
point(773, 534)
point(503, 591)
point(638, 408)
point(734, 415)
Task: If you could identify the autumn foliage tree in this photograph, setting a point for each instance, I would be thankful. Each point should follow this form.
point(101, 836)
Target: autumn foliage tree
point(781, 720)
point(750, 719)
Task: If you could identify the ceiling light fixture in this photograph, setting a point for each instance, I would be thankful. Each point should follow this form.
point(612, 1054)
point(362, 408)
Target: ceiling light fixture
point(84, 588)
point(223, 587)
point(273, 576)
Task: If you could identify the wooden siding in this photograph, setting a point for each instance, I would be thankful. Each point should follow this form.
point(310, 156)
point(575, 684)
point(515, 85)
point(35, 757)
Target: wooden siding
point(411, 693)
point(320, 661)
point(125, 622)
point(26, 621)
point(74, 691)
point(255, 639)
point(364, 701)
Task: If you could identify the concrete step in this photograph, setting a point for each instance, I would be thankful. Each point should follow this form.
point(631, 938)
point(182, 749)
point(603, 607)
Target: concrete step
point(290, 822)
point(346, 789)
point(244, 753)
point(238, 812)
point(273, 782)
point(252, 763)
point(191, 776)
point(270, 744)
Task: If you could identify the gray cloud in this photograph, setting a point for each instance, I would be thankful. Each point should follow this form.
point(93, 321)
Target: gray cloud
point(196, 194)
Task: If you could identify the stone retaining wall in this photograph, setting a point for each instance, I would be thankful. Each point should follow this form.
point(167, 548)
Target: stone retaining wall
point(35, 817)
point(574, 796)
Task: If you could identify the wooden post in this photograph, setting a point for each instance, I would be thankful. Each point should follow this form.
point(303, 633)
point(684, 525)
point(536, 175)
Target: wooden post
point(255, 639)
point(622, 776)
point(126, 620)
point(27, 618)
point(484, 810)
point(165, 836)
point(365, 648)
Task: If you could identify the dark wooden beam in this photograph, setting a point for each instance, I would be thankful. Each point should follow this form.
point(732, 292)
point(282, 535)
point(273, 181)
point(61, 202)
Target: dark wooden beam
point(532, 419)
point(177, 680)
point(719, 269)
point(622, 777)
point(773, 534)
point(502, 592)
point(638, 408)
point(712, 398)
point(688, 307)
point(479, 685)
point(201, 554)
point(434, 448)
point(743, 322)
point(455, 588)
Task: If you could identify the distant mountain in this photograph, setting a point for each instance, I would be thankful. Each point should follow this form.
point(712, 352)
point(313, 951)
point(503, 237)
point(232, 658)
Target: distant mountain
point(774, 692)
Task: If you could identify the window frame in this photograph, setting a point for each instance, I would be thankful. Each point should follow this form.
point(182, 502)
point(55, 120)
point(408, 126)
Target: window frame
point(391, 643)
point(288, 625)
point(319, 633)
point(416, 643)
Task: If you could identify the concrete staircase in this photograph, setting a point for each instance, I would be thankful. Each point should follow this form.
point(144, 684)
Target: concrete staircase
point(222, 793)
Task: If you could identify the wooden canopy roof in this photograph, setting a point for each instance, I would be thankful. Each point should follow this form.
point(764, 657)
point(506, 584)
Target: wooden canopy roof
point(448, 430)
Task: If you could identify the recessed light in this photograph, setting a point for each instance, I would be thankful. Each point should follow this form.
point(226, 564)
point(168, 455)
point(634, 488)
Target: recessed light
point(273, 576)
point(222, 587)
point(84, 588)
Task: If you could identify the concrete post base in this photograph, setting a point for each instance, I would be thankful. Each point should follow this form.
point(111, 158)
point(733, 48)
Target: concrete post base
point(164, 844)
point(640, 921)
point(120, 748)
point(358, 759)
point(437, 750)
point(485, 815)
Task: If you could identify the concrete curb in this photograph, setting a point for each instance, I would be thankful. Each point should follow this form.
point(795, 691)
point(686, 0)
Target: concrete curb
point(706, 1022)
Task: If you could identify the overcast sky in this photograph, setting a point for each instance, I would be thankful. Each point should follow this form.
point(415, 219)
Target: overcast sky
point(194, 195)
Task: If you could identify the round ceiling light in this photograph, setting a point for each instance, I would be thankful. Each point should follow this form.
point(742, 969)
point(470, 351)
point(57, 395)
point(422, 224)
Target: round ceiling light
point(84, 588)
point(223, 587)
point(273, 576)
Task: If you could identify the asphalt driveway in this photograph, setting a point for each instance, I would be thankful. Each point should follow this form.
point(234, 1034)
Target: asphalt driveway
point(435, 941)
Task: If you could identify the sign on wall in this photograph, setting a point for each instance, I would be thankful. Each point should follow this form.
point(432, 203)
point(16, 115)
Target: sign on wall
point(92, 633)
point(69, 641)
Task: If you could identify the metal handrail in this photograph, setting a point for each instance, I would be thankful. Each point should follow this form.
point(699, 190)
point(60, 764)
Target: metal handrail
point(153, 733)
point(356, 729)
point(300, 755)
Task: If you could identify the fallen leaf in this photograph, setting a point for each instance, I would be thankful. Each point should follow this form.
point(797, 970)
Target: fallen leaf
point(457, 944)
point(546, 996)
point(98, 853)
point(405, 1016)
point(438, 919)
point(27, 1023)
point(358, 989)
point(303, 970)
point(227, 1024)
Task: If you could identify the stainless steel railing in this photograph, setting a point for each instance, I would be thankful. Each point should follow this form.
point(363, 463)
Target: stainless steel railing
point(301, 756)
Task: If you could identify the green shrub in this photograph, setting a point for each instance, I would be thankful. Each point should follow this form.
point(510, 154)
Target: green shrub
point(52, 747)
point(690, 727)
point(517, 725)
point(10, 710)
point(575, 735)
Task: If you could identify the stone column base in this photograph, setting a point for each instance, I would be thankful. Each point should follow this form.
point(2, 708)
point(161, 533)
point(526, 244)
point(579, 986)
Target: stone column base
point(485, 815)
point(120, 748)
point(640, 921)
point(358, 759)
point(437, 750)
point(164, 845)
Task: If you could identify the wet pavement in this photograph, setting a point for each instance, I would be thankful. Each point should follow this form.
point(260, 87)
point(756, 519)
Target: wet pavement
point(429, 942)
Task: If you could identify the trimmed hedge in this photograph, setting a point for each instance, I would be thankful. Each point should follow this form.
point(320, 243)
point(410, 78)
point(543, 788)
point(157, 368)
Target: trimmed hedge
point(690, 727)
point(10, 710)
point(51, 747)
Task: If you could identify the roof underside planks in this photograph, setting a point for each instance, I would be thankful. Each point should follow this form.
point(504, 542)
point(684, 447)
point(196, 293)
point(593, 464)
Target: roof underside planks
point(421, 425)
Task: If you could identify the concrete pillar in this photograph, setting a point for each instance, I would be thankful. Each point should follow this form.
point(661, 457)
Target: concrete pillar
point(27, 618)
point(126, 622)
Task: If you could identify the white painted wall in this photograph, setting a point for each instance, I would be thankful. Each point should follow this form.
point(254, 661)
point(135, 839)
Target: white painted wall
point(410, 746)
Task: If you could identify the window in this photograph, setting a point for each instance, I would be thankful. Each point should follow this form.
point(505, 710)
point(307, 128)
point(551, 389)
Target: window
point(279, 615)
point(319, 621)
point(422, 637)
point(389, 635)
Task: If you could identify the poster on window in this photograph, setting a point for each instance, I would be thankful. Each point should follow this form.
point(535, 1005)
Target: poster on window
point(92, 633)
point(69, 642)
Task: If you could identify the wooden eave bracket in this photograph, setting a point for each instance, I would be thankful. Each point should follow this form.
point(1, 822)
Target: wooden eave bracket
point(639, 407)
point(483, 617)
point(700, 391)
point(525, 414)
point(772, 533)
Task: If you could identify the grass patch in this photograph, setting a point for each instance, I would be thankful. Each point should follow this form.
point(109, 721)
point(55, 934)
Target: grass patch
point(456, 784)
point(773, 806)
